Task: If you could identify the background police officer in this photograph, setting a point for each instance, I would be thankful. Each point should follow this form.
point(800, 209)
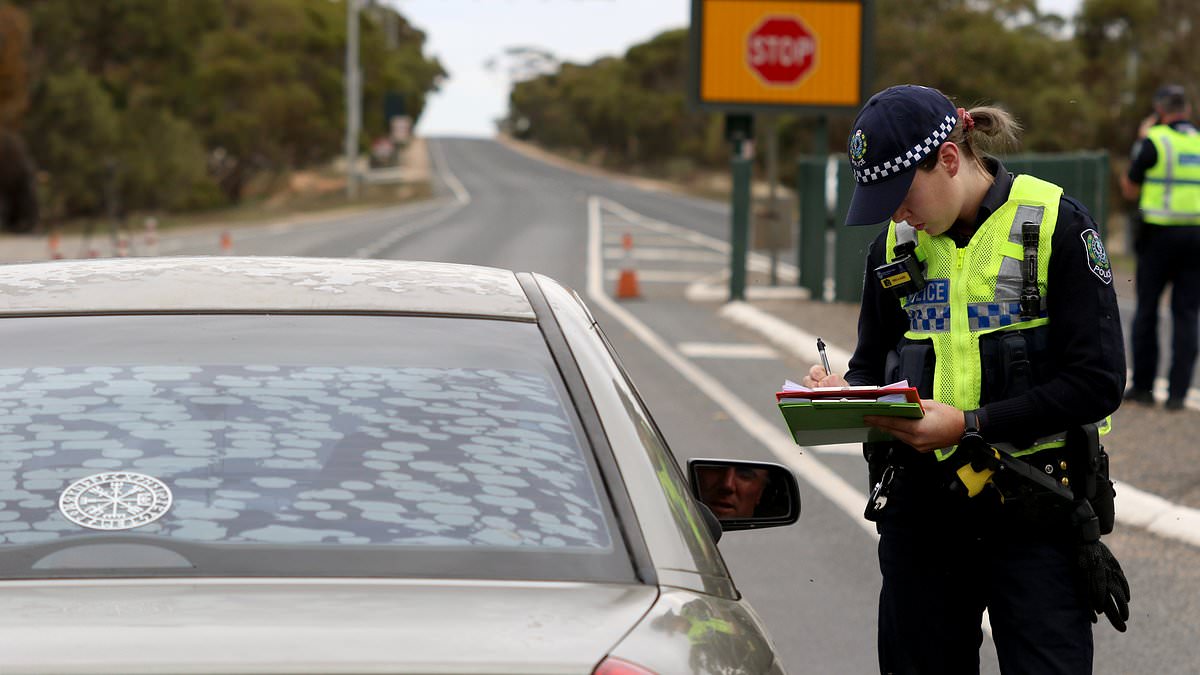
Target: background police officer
point(1003, 253)
point(1165, 175)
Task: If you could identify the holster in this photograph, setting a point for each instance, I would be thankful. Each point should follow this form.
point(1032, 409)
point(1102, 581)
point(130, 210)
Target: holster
point(1089, 474)
point(877, 456)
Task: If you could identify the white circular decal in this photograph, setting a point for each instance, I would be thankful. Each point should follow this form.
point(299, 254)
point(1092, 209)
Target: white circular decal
point(115, 500)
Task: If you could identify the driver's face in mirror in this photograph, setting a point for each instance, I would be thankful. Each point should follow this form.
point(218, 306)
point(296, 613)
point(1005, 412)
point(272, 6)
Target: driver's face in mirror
point(731, 492)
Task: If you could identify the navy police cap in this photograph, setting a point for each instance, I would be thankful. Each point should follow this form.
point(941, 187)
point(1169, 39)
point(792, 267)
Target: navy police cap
point(1170, 94)
point(894, 131)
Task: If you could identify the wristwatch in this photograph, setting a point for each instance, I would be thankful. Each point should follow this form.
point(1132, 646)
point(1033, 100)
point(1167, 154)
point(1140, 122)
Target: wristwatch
point(970, 422)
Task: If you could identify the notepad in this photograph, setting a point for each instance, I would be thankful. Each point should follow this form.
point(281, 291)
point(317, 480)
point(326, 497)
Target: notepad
point(824, 415)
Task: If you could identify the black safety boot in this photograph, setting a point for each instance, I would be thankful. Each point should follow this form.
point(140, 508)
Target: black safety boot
point(1141, 396)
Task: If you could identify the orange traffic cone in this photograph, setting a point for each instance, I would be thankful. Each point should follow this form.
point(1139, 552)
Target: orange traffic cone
point(122, 247)
point(627, 283)
point(226, 243)
point(55, 253)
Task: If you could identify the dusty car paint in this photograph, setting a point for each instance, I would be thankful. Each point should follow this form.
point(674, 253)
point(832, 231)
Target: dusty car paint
point(273, 626)
point(259, 284)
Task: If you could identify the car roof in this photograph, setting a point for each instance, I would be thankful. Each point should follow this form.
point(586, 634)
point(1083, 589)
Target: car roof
point(254, 284)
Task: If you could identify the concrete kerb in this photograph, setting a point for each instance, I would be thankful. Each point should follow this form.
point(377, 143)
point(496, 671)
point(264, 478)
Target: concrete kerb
point(1134, 507)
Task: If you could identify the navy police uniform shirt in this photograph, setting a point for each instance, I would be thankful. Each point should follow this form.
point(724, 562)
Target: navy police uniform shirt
point(1087, 352)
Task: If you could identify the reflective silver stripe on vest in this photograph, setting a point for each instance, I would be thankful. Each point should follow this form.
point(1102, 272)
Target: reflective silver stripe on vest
point(1177, 181)
point(1005, 309)
point(1170, 177)
point(1008, 285)
point(1171, 214)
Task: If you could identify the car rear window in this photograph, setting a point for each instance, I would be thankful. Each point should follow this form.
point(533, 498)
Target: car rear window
point(237, 442)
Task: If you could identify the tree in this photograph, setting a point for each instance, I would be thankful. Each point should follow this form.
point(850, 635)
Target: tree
point(14, 75)
point(76, 126)
point(232, 89)
point(1129, 50)
point(394, 63)
point(630, 110)
point(18, 186)
point(989, 51)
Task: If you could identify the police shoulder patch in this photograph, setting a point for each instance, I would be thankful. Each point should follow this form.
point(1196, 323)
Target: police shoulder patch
point(1097, 256)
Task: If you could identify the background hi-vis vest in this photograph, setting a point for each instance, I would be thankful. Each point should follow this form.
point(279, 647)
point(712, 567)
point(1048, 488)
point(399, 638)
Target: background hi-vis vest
point(976, 290)
point(1171, 190)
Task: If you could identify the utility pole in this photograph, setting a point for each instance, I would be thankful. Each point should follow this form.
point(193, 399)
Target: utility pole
point(353, 99)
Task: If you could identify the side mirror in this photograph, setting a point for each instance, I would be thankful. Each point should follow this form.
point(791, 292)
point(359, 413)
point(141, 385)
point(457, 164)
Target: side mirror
point(745, 495)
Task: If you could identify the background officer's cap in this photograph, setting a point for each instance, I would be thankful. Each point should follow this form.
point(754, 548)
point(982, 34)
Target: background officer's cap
point(894, 131)
point(1170, 94)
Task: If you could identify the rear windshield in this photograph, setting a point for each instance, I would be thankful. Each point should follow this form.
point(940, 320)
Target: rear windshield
point(223, 445)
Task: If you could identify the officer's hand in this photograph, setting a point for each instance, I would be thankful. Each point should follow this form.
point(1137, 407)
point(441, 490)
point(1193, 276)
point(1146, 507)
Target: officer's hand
point(817, 377)
point(1144, 127)
point(941, 427)
point(1102, 583)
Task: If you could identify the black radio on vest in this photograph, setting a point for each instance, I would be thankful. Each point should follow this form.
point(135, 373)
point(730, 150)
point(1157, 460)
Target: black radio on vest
point(905, 274)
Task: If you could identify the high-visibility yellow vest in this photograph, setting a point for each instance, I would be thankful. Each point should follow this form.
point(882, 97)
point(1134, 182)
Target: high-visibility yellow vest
point(976, 290)
point(1171, 189)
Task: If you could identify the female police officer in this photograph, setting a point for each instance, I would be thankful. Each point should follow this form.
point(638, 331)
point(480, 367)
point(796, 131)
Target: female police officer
point(992, 294)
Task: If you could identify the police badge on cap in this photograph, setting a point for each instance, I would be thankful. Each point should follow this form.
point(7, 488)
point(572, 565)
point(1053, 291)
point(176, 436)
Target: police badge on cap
point(894, 131)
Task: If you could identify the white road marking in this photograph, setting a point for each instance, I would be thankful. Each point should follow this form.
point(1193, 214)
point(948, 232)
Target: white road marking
point(618, 238)
point(662, 253)
point(848, 449)
point(661, 276)
point(702, 291)
point(461, 199)
point(755, 261)
point(714, 350)
point(438, 157)
point(1142, 509)
point(785, 336)
point(388, 240)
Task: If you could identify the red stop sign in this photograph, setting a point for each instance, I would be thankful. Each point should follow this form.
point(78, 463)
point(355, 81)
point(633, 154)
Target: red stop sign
point(781, 50)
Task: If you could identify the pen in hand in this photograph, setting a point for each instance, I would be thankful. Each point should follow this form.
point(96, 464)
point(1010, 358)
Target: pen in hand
point(824, 356)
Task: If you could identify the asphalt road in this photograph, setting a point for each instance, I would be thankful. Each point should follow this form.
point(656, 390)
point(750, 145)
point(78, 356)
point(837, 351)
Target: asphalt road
point(816, 583)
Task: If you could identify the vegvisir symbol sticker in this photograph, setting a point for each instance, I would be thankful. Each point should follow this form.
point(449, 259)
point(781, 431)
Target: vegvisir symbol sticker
point(1097, 257)
point(115, 500)
point(858, 147)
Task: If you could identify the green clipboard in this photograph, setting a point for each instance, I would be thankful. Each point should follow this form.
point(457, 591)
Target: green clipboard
point(823, 417)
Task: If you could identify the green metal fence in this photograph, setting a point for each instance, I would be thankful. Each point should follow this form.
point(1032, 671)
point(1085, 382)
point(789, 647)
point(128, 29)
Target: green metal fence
point(1082, 175)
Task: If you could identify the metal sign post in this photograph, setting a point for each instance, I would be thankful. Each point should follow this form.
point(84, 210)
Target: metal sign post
point(739, 131)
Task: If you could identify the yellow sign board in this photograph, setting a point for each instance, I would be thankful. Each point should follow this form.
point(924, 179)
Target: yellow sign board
point(751, 54)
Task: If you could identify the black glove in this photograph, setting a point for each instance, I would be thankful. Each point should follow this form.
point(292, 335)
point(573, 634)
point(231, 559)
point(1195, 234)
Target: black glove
point(1102, 583)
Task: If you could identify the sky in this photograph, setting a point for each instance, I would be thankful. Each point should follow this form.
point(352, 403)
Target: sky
point(465, 34)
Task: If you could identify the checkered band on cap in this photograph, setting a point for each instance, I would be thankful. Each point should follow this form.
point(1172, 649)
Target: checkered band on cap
point(909, 159)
